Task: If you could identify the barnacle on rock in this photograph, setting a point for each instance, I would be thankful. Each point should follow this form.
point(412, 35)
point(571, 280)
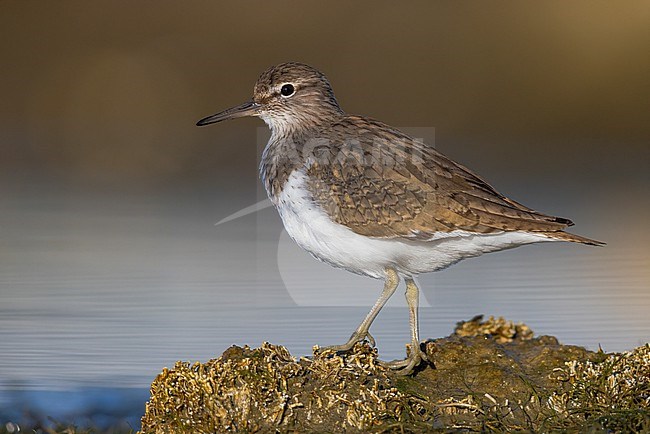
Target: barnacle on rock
point(499, 328)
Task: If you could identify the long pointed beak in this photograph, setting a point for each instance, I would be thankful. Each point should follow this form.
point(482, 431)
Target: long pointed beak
point(248, 108)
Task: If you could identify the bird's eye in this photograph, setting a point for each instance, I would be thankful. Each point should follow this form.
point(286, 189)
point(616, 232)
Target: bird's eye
point(287, 90)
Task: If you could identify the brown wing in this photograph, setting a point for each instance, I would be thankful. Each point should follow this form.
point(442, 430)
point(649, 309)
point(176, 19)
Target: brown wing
point(381, 183)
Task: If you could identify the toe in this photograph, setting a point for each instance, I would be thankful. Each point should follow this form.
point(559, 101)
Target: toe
point(406, 366)
point(370, 339)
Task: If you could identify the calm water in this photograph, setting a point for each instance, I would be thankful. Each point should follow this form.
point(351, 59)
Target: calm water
point(101, 291)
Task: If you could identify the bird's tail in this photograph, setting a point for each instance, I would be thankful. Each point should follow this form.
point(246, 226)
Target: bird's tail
point(566, 236)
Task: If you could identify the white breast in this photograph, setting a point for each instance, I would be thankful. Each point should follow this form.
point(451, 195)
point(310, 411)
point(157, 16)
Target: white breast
point(337, 245)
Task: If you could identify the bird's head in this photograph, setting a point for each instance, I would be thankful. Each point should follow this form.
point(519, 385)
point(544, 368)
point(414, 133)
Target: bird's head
point(290, 96)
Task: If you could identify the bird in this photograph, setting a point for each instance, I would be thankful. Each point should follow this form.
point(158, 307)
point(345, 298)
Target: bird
point(361, 195)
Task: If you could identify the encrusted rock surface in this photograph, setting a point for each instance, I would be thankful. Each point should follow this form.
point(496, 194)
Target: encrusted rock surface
point(488, 376)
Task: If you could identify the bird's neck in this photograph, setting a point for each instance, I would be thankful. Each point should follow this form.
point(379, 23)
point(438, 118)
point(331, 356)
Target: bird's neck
point(304, 123)
point(286, 150)
point(282, 155)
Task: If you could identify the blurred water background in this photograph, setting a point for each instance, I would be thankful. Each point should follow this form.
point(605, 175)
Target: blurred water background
point(111, 266)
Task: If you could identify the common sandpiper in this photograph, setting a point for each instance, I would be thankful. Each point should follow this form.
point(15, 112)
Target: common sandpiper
point(361, 195)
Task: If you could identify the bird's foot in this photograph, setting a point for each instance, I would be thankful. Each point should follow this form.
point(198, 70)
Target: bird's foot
point(406, 366)
point(357, 336)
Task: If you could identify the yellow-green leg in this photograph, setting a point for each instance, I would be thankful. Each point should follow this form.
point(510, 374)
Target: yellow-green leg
point(362, 332)
point(415, 355)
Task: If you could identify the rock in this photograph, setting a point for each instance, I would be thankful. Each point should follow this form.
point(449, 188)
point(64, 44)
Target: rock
point(487, 376)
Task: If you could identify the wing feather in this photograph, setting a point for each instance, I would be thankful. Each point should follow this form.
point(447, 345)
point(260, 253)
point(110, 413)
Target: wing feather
point(387, 185)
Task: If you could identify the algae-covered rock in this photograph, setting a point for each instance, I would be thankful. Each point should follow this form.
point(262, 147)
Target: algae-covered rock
point(487, 376)
point(613, 391)
point(264, 388)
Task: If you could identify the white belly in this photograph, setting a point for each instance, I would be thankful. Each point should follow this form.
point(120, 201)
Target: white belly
point(337, 245)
